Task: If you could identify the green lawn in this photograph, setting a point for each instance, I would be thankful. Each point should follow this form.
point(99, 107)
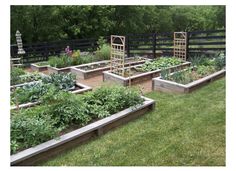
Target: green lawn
point(182, 130)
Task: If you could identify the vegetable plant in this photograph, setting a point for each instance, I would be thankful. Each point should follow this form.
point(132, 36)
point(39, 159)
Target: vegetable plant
point(60, 62)
point(19, 77)
point(161, 63)
point(60, 110)
point(29, 93)
point(15, 75)
point(63, 81)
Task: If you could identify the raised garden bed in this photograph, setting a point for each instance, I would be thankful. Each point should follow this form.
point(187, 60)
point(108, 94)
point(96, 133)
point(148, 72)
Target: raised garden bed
point(138, 76)
point(69, 140)
point(79, 89)
point(19, 77)
point(58, 70)
point(96, 68)
point(163, 85)
point(39, 67)
point(30, 80)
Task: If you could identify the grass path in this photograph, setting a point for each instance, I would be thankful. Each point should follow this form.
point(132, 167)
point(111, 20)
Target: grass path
point(182, 130)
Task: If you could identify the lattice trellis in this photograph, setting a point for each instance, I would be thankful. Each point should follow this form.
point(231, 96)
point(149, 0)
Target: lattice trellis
point(118, 54)
point(21, 51)
point(180, 45)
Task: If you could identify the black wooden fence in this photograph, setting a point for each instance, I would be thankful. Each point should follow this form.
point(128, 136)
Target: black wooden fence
point(161, 44)
point(151, 45)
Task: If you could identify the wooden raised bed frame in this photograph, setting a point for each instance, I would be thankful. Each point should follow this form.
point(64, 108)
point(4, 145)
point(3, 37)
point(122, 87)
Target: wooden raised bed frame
point(170, 86)
point(82, 89)
point(108, 76)
point(38, 68)
point(58, 70)
point(72, 139)
point(85, 74)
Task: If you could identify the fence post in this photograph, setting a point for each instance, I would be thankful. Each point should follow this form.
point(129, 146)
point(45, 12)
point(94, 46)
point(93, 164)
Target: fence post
point(46, 52)
point(154, 45)
point(128, 50)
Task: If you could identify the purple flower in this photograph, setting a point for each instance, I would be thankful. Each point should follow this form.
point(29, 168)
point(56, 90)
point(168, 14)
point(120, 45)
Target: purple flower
point(68, 51)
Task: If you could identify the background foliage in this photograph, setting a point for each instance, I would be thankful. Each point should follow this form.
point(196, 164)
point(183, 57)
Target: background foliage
point(48, 23)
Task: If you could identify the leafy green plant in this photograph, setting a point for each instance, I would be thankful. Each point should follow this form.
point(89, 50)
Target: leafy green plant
point(165, 73)
point(63, 81)
point(75, 57)
point(101, 41)
point(103, 52)
point(19, 77)
point(198, 60)
point(87, 59)
point(67, 108)
point(161, 63)
point(29, 93)
point(15, 75)
point(220, 62)
point(204, 70)
point(30, 77)
point(60, 62)
point(14, 146)
point(191, 74)
point(28, 130)
point(114, 98)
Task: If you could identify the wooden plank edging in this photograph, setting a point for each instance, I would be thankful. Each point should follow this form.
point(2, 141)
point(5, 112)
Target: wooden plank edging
point(171, 86)
point(108, 76)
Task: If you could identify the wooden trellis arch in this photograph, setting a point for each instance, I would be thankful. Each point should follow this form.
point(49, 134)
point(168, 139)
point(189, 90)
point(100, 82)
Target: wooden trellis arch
point(117, 54)
point(180, 45)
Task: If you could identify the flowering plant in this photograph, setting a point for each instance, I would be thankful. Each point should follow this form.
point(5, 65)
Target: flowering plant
point(68, 51)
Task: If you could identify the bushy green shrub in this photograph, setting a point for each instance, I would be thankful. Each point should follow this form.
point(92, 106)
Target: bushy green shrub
point(201, 60)
point(103, 50)
point(66, 109)
point(101, 41)
point(203, 70)
point(220, 61)
point(65, 61)
point(60, 62)
point(113, 99)
point(29, 129)
point(15, 75)
point(87, 59)
point(75, 57)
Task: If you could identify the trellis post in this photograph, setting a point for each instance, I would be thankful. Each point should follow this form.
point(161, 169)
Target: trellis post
point(118, 55)
point(180, 45)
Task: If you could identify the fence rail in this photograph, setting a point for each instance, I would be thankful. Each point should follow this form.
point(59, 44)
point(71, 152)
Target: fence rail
point(151, 44)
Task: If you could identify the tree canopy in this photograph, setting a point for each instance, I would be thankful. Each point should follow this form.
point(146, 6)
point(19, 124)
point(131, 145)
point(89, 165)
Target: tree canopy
point(51, 23)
